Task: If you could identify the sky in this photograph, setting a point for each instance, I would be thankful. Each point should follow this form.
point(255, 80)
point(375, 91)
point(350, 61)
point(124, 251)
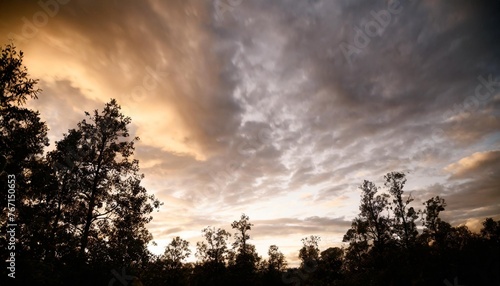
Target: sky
point(279, 109)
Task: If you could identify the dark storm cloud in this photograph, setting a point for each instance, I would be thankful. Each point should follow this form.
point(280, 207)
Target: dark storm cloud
point(408, 100)
point(412, 88)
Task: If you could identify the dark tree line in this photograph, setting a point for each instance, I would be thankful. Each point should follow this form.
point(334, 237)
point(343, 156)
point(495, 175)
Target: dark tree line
point(81, 216)
point(384, 246)
point(218, 263)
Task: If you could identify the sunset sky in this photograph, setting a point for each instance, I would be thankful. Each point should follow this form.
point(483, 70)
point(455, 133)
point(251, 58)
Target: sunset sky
point(279, 109)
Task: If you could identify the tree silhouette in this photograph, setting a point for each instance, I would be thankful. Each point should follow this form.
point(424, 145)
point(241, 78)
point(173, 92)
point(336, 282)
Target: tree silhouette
point(273, 269)
point(433, 224)
point(491, 230)
point(214, 250)
point(63, 201)
point(168, 269)
point(242, 226)
point(15, 85)
point(110, 207)
point(23, 137)
point(370, 229)
point(372, 210)
point(246, 258)
point(276, 260)
point(309, 253)
point(176, 252)
point(404, 217)
point(330, 266)
point(212, 254)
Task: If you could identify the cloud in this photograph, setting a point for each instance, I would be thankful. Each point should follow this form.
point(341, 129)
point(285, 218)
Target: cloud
point(474, 190)
point(151, 56)
point(306, 226)
point(479, 164)
point(62, 99)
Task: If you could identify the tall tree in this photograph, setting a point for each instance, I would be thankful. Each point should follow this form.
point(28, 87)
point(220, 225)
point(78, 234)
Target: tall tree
point(274, 268)
point(371, 229)
point(432, 222)
point(242, 227)
point(168, 269)
point(491, 230)
point(330, 265)
point(309, 253)
point(110, 207)
point(23, 137)
point(276, 261)
point(214, 250)
point(246, 259)
point(176, 252)
point(65, 161)
point(15, 85)
point(404, 216)
point(371, 212)
point(212, 254)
